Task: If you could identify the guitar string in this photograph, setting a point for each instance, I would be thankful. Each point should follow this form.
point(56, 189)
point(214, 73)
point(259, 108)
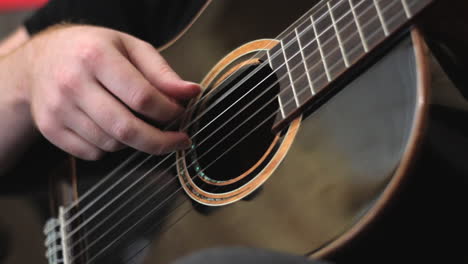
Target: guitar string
point(191, 208)
point(303, 75)
point(193, 137)
point(150, 155)
point(75, 215)
point(173, 123)
point(156, 179)
point(153, 228)
point(153, 180)
point(109, 245)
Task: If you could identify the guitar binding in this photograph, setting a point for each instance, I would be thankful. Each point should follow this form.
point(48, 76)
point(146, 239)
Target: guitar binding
point(224, 129)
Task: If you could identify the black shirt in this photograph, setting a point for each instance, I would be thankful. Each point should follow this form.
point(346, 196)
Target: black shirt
point(155, 21)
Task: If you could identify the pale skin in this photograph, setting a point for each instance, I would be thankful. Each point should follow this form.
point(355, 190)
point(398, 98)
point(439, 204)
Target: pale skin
point(79, 86)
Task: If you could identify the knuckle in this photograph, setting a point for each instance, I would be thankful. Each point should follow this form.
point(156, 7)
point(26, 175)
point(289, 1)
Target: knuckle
point(68, 81)
point(124, 131)
point(54, 107)
point(165, 69)
point(46, 126)
point(92, 154)
point(94, 133)
point(141, 100)
point(89, 51)
point(111, 145)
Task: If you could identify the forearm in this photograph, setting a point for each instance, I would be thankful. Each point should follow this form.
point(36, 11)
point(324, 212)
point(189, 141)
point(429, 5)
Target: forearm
point(16, 125)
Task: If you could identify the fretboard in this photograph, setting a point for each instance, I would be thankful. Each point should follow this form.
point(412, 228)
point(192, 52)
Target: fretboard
point(327, 42)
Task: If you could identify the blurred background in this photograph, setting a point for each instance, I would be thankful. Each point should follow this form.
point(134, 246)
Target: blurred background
point(20, 217)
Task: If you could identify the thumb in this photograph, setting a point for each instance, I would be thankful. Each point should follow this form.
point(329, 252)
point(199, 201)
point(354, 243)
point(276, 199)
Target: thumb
point(156, 70)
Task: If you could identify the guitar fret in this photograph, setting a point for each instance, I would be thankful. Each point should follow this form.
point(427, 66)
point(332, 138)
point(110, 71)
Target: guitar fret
point(297, 68)
point(345, 58)
point(346, 26)
point(406, 8)
point(313, 61)
point(349, 31)
point(304, 62)
point(334, 37)
point(269, 59)
point(328, 43)
point(392, 14)
point(320, 49)
point(361, 34)
point(379, 13)
point(371, 26)
point(289, 74)
point(279, 65)
point(280, 105)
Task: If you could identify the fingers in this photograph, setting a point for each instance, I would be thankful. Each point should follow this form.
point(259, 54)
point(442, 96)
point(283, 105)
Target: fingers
point(82, 125)
point(82, 97)
point(123, 80)
point(119, 123)
point(71, 142)
point(153, 66)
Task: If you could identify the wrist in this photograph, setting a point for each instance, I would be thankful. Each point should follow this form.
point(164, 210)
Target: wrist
point(13, 76)
point(17, 126)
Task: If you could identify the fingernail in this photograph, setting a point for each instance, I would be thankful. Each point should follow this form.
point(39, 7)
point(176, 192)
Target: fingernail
point(194, 86)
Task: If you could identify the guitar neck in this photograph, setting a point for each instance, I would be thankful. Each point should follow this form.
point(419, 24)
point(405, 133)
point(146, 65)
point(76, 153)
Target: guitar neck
point(322, 50)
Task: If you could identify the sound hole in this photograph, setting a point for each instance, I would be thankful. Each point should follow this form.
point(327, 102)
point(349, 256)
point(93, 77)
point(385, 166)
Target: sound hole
point(234, 130)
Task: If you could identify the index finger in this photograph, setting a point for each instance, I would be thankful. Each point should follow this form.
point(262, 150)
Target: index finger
point(116, 120)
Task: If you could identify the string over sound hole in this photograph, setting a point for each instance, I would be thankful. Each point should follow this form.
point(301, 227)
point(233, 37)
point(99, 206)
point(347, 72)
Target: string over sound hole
point(233, 142)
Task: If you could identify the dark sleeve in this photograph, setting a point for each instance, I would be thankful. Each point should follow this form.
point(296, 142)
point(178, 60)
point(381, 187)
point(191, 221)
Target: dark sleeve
point(155, 21)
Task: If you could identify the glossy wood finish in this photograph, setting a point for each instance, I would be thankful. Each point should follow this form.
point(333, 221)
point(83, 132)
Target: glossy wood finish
point(347, 163)
point(407, 160)
point(338, 174)
point(327, 185)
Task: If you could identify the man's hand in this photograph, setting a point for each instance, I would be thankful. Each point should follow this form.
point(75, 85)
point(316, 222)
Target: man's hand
point(82, 83)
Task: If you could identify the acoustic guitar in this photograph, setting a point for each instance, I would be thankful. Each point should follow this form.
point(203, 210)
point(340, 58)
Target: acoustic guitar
point(302, 143)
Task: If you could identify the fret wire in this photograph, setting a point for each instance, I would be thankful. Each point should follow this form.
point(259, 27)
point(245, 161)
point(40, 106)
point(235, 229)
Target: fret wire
point(280, 104)
point(358, 25)
point(379, 13)
point(136, 152)
point(288, 102)
point(289, 73)
point(296, 32)
point(320, 49)
point(406, 8)
point(304, 16)
point(281, 107)
point(269, 58)
point(345, 58)
point(304, 62)
point(268, 54)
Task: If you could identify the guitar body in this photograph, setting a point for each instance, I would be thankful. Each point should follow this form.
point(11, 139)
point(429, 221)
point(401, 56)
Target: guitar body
point(321, 187)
